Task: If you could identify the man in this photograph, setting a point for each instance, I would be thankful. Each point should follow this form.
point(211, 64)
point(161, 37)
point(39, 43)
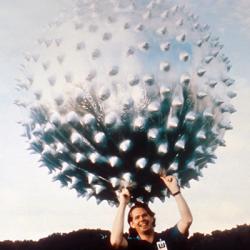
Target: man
point(142, 221)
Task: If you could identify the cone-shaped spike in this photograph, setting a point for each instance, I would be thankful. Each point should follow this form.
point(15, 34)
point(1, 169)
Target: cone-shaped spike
point(148, 188)
point(63, 179)
point(139, 27)
point(199, 43)
point(153, 133)
point(228, 108)
point(179, 22)
point(125, 146)
point(80, 157)
point(231, 94)
point(190, 116)
point(126, 26)
point(133, 80)
point(184, 56)
point(201, 135)
point(201, 72)
point(100, 138)
point(91, 75)
point(110, 120)
point(208, 113)
point(229, 81)
point(201, 94)
point(127, 177)
point(76, 138)
point(208, 59)
point(114, 71)
point(60, 58)
point(154, 107)
point(37, 130)
point(80, 46)
point(152, 199)
point(139, 123)
point(164, 66)
point(181, 38)
point(96, 158)
point(147, 15)
point(173, 167)
point(162, 148)
point(212, 83)
point(141, 163)
point(72, 118)
point(177, 101)
point(165, 46)
point(165, 92)
point(46, 65)
point(165, 14)
point(199, 150)
point(96, 54)
point(156, 168)
point(98, 188)
point(35, 57)
point(89, 119)
point(130, 51)
point(172, 122)
point(191, 165)
point(59, 100)
point(104, 94)
point(89, 192)
point(148, 79)
point(106, 36)
point(161, 30)
point(91, 178)
point(115, 182)
point(55, 119)
point(164, 192)
point(68, 77)
point(225, 125)
point(114, 161)
point(143, 46)
point(49, 128)
point(180, 144)
point(185, 79)
point(67, 168)
point(61, 148)
point(48, 150)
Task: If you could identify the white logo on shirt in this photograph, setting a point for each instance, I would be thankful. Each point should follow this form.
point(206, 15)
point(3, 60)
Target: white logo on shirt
point(161, 245)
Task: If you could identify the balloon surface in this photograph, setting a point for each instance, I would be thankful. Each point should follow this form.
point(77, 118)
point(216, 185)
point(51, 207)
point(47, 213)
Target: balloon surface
point(119, 92)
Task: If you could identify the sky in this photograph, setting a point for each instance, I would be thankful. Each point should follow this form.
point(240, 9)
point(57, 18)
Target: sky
point(33, 207)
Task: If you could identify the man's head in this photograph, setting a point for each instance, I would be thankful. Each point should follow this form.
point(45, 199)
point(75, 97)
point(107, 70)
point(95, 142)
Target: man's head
point(141, 219)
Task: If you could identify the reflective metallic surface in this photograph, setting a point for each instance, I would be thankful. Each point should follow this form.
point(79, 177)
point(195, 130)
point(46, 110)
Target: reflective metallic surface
point(118, 92)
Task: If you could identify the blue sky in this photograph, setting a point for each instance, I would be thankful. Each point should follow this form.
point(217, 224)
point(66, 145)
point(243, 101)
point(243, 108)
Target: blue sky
point(32, 206)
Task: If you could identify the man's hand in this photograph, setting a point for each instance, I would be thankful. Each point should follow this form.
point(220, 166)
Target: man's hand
point(124, 196)
point(171, 183)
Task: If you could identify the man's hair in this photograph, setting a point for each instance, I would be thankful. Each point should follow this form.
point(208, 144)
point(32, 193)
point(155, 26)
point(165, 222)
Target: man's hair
point(132, 231)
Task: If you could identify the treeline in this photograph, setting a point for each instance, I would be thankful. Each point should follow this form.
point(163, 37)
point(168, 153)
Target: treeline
point(86, 239)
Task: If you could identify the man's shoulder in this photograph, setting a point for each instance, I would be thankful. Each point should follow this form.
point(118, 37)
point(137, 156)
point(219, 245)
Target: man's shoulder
point(173, 233)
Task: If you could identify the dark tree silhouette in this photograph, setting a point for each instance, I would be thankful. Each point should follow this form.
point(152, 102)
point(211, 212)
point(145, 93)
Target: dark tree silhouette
point(89, 239)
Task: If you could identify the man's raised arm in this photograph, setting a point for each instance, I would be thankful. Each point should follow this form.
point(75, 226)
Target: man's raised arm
point(185, 213)
point(117, 239)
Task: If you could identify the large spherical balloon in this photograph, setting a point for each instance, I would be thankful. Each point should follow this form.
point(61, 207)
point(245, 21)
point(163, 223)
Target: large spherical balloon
point(119, 92)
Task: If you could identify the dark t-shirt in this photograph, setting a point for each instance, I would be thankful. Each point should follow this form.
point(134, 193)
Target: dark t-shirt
point(170, 239)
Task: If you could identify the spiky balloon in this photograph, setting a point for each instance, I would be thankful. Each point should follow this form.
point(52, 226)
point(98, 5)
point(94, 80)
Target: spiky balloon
point(119, 92)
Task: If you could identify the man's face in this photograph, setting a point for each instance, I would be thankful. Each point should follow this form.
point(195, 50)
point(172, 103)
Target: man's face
point(141, 221)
